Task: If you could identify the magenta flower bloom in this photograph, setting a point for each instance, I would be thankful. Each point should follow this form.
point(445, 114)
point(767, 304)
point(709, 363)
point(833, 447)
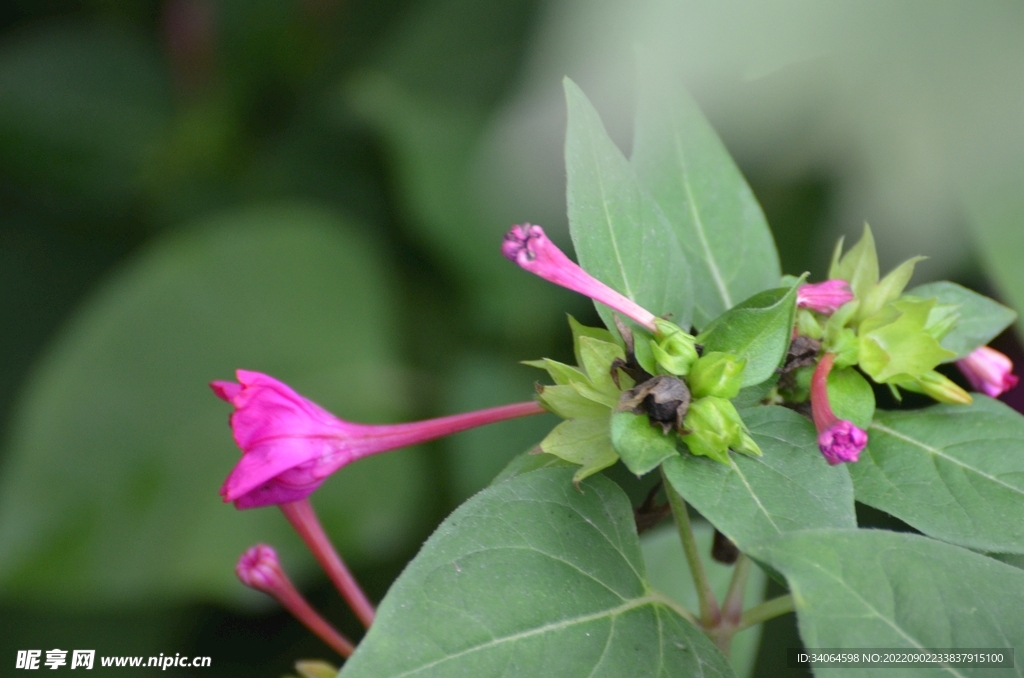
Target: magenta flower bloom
point(824, 297)
point(989, 371)
point(839, 440)
point(259, 569)
point(290, 445)
point(529, 247)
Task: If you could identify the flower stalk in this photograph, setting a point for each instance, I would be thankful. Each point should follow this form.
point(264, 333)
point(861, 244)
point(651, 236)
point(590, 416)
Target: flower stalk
point(839, 440)
point(260, 569)
point(710, 613)
point(303, 518)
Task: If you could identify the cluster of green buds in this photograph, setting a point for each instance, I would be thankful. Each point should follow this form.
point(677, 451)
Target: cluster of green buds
point(894, 338)
point(625, 388)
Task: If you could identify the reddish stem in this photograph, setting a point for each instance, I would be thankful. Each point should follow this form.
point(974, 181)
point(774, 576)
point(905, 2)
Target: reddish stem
point(821, 410)
point(303, 518)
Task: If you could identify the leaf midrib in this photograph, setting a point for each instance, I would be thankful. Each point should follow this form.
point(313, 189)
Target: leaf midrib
point(636, 603)
point(940, 453)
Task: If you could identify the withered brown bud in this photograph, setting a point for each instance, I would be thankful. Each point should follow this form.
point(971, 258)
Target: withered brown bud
point(802, 351)
point(630, 365)
point(664, 399)
point(723, 550)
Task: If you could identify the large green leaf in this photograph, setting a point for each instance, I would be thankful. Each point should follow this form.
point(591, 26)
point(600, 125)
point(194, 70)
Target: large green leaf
point(669, 573)
point(117, 447)
point(981, 319)
point(758, 329)
point(533, 577)
point(789, 487)
point(705, 198)
point(620, 234)
point(954, 472)
point(878, 589)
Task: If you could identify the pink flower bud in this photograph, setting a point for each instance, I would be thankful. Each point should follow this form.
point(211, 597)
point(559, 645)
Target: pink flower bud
point(839, 440)
point(529, 247)
point(824, 297)
point(989, 371)
point(842, 442)
point(290, 445)
point(259, 568)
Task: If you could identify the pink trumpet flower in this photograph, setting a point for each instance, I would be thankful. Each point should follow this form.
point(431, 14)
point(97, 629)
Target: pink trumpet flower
point(989, 371)
point(839, 440)
point(290, 445)
point(824, 297)
point(259, 568)
point(528, 246)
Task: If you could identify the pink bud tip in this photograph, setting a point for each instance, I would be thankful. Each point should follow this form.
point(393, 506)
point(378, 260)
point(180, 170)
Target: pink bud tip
point(842, 442)
point(258, 568)
point(989, 371)
point(824, 297)
point(529, 247)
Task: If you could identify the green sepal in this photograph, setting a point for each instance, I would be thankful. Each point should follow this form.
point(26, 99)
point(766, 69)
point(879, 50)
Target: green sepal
point(579, 330)
point(560, 373)
point(799, 388)
point(568, 403)
point(888, 289)
point(674, 349)
point(716, 374)
point(846, 347)
point(641, 446)
point(586, 442)
point(938, 386)
point(942, 319)
point(807, 325)
point(644, 355)
point(859, 266)
point(596, 358)
point(894, 343)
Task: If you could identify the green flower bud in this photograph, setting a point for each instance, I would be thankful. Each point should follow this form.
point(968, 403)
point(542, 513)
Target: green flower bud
point(937, 386)
point(716, 374)
point(714, 426)
point(674, 349)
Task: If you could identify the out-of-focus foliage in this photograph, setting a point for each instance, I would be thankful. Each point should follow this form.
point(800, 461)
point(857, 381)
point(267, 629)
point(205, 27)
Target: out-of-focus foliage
point(317, 188)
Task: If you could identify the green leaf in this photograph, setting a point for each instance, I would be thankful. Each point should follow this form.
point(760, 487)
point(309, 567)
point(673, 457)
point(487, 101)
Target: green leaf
point(117, 447)
point(705, 198)
point(878, 589)
point(851, 396)
point(790, 487)
point(669, 573)
point(560, 373)
point(640, 446)
point(531, 460)
point(533, 577)
point(981, 319)
point(586, 442)
point(954, 472)
point(758, 329)
point(620, 234)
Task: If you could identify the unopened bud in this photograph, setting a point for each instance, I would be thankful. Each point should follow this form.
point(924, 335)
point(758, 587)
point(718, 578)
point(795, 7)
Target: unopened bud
point(716, 374)
point(674, 349)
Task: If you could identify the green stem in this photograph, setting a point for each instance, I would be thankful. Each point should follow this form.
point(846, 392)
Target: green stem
point(766, 610)
point(732, 606)
point(710, 614)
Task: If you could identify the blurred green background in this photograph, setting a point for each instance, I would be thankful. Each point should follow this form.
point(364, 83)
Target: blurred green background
point(317, 189)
